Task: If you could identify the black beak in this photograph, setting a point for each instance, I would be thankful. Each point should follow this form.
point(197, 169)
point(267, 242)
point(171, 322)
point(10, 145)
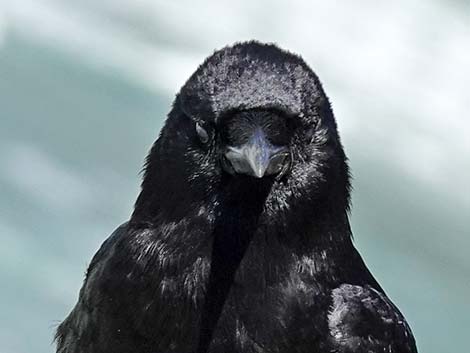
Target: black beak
point(257, 157)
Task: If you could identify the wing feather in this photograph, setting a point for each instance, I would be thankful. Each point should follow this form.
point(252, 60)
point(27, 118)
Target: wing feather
point(362, 319)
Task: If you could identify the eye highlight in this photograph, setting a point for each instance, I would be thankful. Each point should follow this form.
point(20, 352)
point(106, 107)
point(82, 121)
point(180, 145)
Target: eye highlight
point(202, 133)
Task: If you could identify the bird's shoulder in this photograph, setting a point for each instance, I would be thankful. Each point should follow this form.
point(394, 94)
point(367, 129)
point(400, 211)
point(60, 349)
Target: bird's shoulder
point(134, 279)
point(106, 250)
point(75, 333)
point(135, 256)
point(363, 319)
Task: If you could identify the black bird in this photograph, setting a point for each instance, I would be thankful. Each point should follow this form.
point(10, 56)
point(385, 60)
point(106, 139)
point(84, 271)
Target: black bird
point(240, 239)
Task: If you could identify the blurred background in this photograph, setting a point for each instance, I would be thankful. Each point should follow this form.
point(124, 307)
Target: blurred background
point(85, 87)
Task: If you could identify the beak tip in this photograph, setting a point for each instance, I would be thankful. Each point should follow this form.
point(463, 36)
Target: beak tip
point(258, 168)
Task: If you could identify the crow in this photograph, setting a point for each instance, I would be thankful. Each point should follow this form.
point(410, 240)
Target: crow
point(240, 238)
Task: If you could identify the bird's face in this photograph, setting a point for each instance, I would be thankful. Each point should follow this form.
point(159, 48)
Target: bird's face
point(288, 162)
point(264, 145)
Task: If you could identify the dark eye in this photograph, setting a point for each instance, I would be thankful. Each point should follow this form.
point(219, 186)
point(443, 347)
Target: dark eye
point(312, 130)
point(310, 134)
point(202, 133)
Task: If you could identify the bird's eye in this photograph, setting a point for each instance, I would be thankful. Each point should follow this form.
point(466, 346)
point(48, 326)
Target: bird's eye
point(310, 134)
point(311, 131)
point(202, 133)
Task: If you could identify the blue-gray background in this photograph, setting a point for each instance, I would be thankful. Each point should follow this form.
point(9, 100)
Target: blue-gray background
point(85, 86)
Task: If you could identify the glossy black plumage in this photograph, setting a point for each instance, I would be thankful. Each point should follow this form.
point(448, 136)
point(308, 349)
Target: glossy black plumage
point(213, 260)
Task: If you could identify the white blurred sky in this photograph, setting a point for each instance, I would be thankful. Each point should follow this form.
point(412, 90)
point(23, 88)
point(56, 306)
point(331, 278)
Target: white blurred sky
point(404, 63)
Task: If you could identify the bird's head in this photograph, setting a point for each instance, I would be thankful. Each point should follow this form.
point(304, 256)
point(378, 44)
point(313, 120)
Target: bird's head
point(252, 114)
